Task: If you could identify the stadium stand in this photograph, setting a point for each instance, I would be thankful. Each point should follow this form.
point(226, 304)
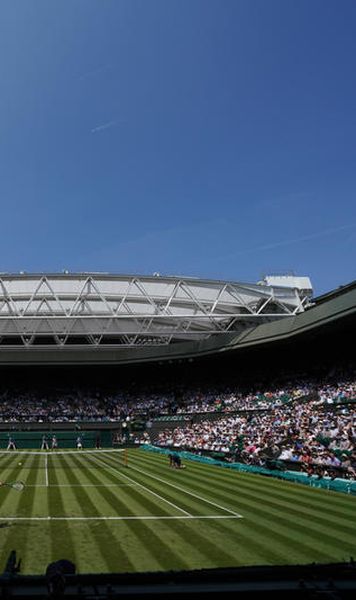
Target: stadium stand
point(279, 397)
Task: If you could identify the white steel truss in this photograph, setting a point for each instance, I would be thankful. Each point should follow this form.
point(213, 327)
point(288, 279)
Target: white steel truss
point(118, 310)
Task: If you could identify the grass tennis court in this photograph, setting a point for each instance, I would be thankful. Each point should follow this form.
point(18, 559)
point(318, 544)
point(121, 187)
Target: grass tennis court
point(89, 508)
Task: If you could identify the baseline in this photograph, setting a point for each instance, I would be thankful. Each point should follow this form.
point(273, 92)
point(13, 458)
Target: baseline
point(84, 485)
point(130, 518)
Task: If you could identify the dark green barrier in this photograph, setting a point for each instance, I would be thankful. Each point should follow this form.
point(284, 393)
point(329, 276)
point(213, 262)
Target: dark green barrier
point(65, 439)
point(338, 485)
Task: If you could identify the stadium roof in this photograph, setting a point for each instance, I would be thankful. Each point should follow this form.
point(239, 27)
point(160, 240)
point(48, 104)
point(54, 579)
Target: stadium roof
point(100, 311)
point(340, 291)
point(80, 318)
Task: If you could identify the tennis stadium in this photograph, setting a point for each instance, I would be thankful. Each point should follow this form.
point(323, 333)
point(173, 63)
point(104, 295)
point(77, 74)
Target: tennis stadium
point(158, 426)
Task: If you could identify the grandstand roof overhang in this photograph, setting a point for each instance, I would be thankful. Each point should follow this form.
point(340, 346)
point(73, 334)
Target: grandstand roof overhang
point(102, 312)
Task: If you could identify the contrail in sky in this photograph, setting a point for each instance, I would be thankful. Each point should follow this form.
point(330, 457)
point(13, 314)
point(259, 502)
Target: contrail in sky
point(104, 126)
point(305, 238)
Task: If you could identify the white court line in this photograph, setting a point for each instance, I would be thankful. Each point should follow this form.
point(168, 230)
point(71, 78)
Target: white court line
point(188, 492)
point(46, 472)
point(24, 453)
point(140, 485)
point(144, 518)
point(84, 485)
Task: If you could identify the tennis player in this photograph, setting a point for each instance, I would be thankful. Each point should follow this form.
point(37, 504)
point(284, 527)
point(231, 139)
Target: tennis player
point(11, 445)
point(175, 461)
point(44, 445)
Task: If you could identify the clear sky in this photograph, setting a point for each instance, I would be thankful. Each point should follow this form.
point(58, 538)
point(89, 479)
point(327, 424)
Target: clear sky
point(212, 138)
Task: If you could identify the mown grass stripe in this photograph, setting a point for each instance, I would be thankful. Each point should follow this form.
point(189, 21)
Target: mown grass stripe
point(226, 472)
point(249, 548)
point(320, 502)
point(145, 488)
point(284, 522)
point(137, 498)
point(181, 489)
point(307, 529)
point(326, 504)
point(9, 499)
point(10, 474)
point(290, 516)
point(227, 475)
point(194, 541)
point(60, 533)
point(325, 518)
point(109, 546)
point(218, 546)
point(144, 533)
point(190, 504)
point(10, 469)
point(23, 537)
point(195, 506)
point(7, 465)
point(290, 523)
point(315, 520)
point(37, 537)
point(155, 504)
point(282, 534)
point(322, 519)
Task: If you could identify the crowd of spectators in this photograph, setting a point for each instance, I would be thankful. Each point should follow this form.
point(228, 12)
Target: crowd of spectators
point(308, 421)
point(301, 432)
point(94, 405)
point(61, 404)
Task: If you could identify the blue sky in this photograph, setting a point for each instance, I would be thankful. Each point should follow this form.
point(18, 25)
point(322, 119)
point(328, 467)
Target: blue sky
point(197, 137)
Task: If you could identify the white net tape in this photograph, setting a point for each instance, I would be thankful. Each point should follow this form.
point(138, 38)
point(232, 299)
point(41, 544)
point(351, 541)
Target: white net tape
point(24, 453)
point(70, 458)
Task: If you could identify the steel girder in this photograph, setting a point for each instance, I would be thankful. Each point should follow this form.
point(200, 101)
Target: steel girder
point(99, 309)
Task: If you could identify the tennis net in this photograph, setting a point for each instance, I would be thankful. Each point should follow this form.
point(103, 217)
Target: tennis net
point(70, 459)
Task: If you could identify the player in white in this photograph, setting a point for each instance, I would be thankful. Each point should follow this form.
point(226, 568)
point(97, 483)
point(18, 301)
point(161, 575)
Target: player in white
point(79, 443)
point(54, 443)
point(44, 445)
point(11, 445)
